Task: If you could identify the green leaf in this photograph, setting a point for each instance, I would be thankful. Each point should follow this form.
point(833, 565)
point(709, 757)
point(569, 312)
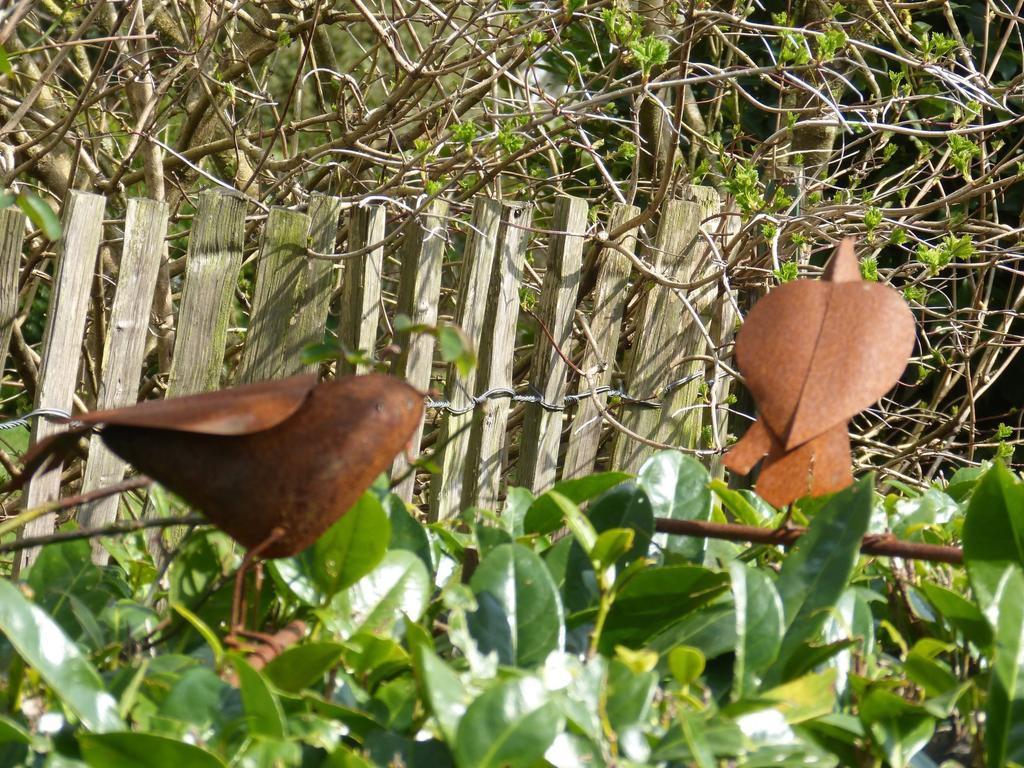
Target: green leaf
point(298, 667)
point(959, 612)
point(447, 696)
point(759, 627)
point(406, 532)
point(686, 664)
point(656, 598)
point(611, 545)
point(625, 506)
point(62, 573)
point(545, 516)
point(993, 533)
point(805, 698)
point(400, 586)
point(352, 547)
point(1004, 714)
point(817, 570)
point(262, 708)
point(13, 733)
point(519, 612)
point(314, 354)
point(677, 488)
point(898, 728)
point(456, 347)
point(45, 647)
point(627, 695)
point(40, 214)
point(386, 748)
point(509, 726)
point(747, 507)
point(5, 63)
point(202, 628)
point(195, 698)
point(143, 750)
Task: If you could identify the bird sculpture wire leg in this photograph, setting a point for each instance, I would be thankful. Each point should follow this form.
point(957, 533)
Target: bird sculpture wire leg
point(238, 629)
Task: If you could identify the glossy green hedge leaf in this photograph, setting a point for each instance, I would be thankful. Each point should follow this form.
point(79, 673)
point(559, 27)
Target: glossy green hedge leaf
point(263, 711)
point(509, 726)
point(627, 695)
point(62, 574)
point(352, 547)
point(406, 532)
point(993, 533)
point(656, 598)
point(759, 626)
point(398, 587)
point(11, 731)
point(519, 613)
point(298, 667)
point(195, 697)
point(745, 506)
point(817, 570)
point(135, 750)
point(711, 630)
point(677, 488)
point(45, 648)
point(1004, 714)
point(898, 728)
point(40, 214)
point(686, 664)
point(444, 691)
point(545, 515)
point(959, 613)
point(805, 698)
point(456, 347)
point(611, 545)
point(625, 506)
point(387, 748)
point(700, 738)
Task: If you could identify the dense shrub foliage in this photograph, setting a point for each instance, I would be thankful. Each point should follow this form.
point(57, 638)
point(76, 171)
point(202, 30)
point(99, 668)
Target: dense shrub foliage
point(501, 642)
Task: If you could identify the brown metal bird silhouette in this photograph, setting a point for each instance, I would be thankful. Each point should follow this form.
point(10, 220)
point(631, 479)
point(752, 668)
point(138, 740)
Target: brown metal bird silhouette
point(273, 464)
point(814, 354)
point(290, 456)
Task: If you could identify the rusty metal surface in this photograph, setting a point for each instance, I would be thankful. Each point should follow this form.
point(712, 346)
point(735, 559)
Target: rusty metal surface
point(314, 450)
point(234, 411)
point(814, 354)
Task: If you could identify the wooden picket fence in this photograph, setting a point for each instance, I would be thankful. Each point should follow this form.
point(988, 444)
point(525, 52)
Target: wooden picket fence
point(677, 334)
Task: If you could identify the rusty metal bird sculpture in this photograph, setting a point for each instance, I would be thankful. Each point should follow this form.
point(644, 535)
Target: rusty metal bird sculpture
point(814, 354)
point(273, 464)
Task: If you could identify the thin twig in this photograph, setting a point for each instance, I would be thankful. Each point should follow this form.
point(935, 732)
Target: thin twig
point(24, 518)
point(883, 544)
point(121, 526)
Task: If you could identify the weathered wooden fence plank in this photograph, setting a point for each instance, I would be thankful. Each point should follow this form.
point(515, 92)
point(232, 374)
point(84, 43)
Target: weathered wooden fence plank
point(599, 361)
point(360, 303)
point(316, 283)
point(446, 486)
point(12, 237)
point(276, 298)
point(419, 292)
point(657, 346)
point(124, 348)
point(211, 273)
point(62, 344)
point(684, 412)
point(542, 429)
point(488, 442)
point(723, 331)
